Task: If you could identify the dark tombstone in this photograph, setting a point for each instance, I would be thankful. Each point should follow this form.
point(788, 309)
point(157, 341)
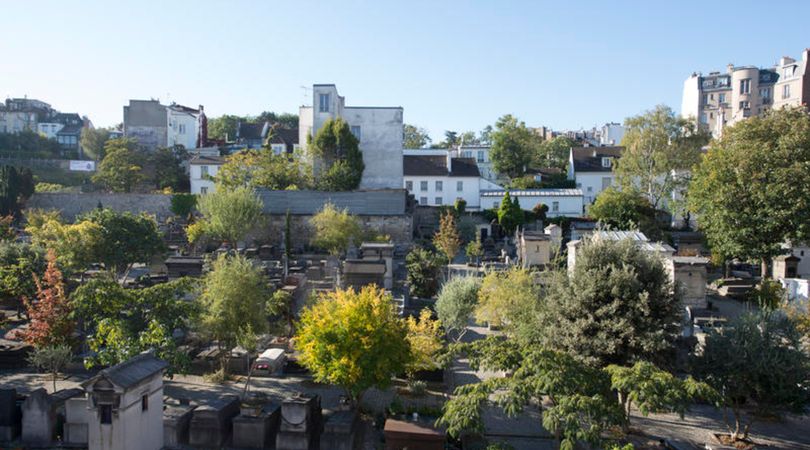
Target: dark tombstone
point(340, 431)
point(211, 423)
point(257, 424)
point(176, 421)
point(9, 415)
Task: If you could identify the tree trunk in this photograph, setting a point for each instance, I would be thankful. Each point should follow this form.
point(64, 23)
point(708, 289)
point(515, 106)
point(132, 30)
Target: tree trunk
point(764, 268)
point(55, 374)
point(250, 373)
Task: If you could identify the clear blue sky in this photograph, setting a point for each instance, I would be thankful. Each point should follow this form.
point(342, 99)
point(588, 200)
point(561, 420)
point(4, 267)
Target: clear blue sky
point(451, 65)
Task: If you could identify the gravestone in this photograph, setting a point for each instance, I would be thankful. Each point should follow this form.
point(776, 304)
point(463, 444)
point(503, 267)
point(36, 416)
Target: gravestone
point(256, 425)
point(211, 423)
point(176, 421)
point(400, 435)
point(9, 415)
point(76, 420)
point(340, 431)
point(39, 415)
point(301, 425)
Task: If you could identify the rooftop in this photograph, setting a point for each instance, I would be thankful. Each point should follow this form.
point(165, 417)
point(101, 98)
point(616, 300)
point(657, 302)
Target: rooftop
point(436, 165)
point(132, 371)
point(589, 159)
point(203, 159)
point(534, 193)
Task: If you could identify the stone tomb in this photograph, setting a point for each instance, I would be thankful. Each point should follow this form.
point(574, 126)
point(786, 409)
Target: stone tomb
point(9, 415)
point(76, 419)
point(301, 423)
point(211, 423)
point(176, 421)
point(400, 435)
point(39, 415)
point(340, 431)
point(256, 425)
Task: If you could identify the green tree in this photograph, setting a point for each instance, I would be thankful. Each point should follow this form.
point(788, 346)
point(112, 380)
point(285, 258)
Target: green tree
point(625, 209)
point(234, 299)
point(335, 229)
point(554, 153)
point(51, 358)
point(122, 167)
point(617, 306)
point(355, 340)
point(124, 238)
point(415, 137)
point(92, 141)
point(510, 216)
point(658, 146)
point(757, 361)
point(230, 214)
point(447, 239)
point(224, 127)
point(456, 303)
point(474, 251)
point(508, 299)
point(167, 164)
point(513, 146)
point(263, 168)
point(16, 185)
point(18, 261)
point(424, 336)
point(424, 272)
point(338, 156)
point(751, 191)
point(183, 205)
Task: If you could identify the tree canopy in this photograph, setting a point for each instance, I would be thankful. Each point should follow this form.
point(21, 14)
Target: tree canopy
point(122, 167)
point(625, 209)
point(51, 323)
point(447, 238)
point(230, 214)
point(513, 146)
point(424, 272)
point(92, 141)
point(123, 238)
point(456, 303)
point(554, 153)
point(263, 168)
point(335, 229)
point(751, 191)
point(339, 159)
point(16, 185)
point(355, 340)
point(510, 216)
point(414, 137)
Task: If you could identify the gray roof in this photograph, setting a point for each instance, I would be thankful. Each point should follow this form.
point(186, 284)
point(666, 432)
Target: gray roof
point(589, 159)
point(207, 160)
point(436, 165)
point(534, 193)
point(132, 371)
point(383, 202)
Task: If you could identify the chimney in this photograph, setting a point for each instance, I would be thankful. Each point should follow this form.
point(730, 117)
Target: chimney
point(785, 60)
point(449, 160)
point(730, 68)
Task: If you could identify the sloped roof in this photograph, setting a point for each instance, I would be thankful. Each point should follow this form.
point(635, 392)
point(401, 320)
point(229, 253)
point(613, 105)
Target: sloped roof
point(132, 371)
point(589, 159)
point(251, 131)
point(551, 192)
point(208, 160)
point(70, 129)
point(436, 165)
point(284, 136)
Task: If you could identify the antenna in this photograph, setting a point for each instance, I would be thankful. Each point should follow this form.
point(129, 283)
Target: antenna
point(305, 92)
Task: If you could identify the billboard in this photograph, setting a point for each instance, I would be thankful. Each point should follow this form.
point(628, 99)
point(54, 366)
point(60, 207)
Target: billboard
point(82, 166)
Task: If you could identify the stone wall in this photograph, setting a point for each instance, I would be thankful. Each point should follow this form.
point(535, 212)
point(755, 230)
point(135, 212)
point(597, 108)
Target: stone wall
point(72, 205)
point(399, 228)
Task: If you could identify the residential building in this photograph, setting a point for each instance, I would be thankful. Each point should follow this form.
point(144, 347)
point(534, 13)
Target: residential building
point(439, 178)
point(534, 248)
point(480, 153)
point(125, 405)
point(592, 169)
point(800, 250)
point(251, 135)
point(793, 86)
point(155, 125)
point(283, 141)
point(560, 202)
point(611, 134)
point(724, 98)
point(202, 170)
point(379, 130)
point(20, 114)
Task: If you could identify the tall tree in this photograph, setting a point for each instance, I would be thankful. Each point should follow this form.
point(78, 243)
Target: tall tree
point(76, 245)
point(510, 216)
point(224, 127)
point(92, 141)
point(424, 272)
point(355, 340)
point(16, 185)
point(424, 338)
point(18, 261)
point(554, 153)
point(414, 137)
point(167, 165)
point(338, 154)
point(625, 209)
point(456, 304)
point(122, 167)
point(263, 168)
point(751, 191)
point(508, 299)
point(50, 313)
point(335, 229)
point(234, 299)
point(447, 239)
point(513, 146)
point(229, 215)
point(658, 146)
point(125, 238)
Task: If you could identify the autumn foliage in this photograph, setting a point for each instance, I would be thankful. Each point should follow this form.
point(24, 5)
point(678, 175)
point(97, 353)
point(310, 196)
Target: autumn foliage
point(50, 313)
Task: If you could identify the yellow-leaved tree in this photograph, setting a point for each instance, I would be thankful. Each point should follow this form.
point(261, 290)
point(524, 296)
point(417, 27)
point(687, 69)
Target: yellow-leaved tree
point(425, 339)
point(354, 340)
point(506, 296)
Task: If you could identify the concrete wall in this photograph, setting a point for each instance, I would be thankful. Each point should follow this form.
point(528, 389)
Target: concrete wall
point(72, 205)
point(146, 121)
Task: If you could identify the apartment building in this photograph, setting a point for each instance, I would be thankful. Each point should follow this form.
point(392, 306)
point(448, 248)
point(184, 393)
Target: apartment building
point(155, 125)
point(724, 98)
point(592, 169)
point(378, 128)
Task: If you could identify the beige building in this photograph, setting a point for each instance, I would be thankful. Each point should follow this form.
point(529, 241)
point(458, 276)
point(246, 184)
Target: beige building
point(724, 98)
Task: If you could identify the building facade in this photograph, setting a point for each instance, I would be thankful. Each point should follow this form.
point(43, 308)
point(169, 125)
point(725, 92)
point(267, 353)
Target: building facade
point(155, 125)
point(439, 178)
point(379, 130)
point(560, 202)
point(480, 153)
point(592, 169)
point(202, 170)
point(724, 98)
point(181, 125)
point(611, 134)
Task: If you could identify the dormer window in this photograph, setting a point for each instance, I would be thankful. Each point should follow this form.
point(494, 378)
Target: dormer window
point(606, 162)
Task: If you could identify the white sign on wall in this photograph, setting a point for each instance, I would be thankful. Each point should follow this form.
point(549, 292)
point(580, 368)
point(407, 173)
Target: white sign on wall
point(82, 166)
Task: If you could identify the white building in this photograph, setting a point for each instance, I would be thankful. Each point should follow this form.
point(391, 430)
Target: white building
point(182, 125)
point(125, 405)
point(379, 130)
point(480, 153)
point(439, 178)
point(592, 169)
point(611, 134)
point(639, 238)
point(202, 170)
point(560, 202)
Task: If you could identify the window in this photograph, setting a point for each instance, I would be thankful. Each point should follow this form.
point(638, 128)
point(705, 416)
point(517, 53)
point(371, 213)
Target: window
point(786, 91)
point(711, 96)
point(439, 186)
point(495, 205)
point(423, 201)
point(579, 185)
point(437, 201)
point(356, 131)
point(744, 104)
point(705, 99)
point(480, 156)
point(606, 161)
point(788, 72)
point(423, 186)
point(459, 186)
point(204, 190)
point(703, 118)
point(555, 206)
point(144, 402)
point(203, 171)
point(323, 102)
point(765, 93)
point(409, 185)
point(721, 98)
point(105, 414)
point(590, 188)
point(466, 154)
point(181, 128)
point(745, 86)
